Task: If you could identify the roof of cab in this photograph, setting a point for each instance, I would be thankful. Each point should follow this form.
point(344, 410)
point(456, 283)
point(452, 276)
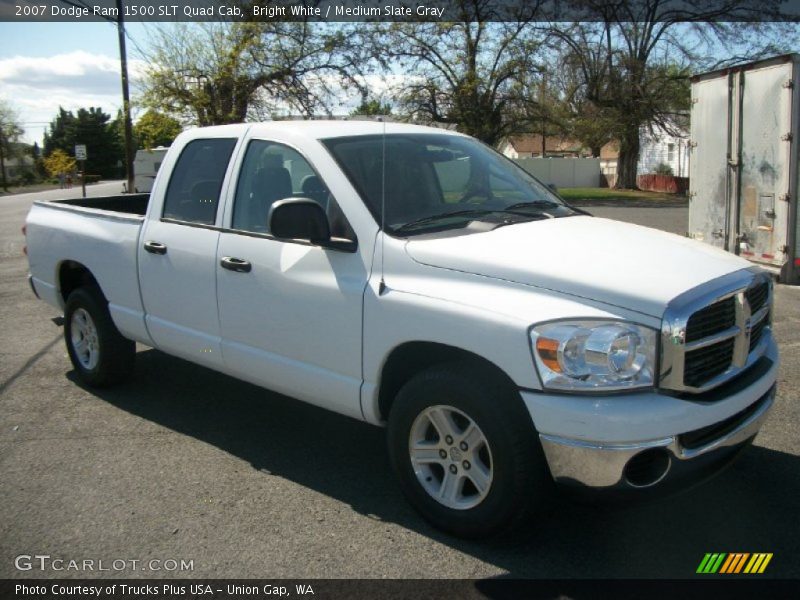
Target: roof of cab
point(320, 129)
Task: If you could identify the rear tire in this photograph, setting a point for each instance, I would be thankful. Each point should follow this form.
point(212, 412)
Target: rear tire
point(98, 351)
point(465, 450)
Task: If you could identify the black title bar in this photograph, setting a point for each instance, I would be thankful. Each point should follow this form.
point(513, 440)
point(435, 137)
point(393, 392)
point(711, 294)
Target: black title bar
point(731, 588)
point(399, 10)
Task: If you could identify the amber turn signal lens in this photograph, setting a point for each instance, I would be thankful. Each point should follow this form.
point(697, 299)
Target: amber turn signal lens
point(548, 352)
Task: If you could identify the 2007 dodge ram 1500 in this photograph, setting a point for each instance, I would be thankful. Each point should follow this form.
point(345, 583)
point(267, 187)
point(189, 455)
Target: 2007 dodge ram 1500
point(414, 277)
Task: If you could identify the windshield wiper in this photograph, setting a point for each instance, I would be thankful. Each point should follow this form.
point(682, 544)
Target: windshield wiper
point(515, 208)
point(437, 217)
point(534, 204)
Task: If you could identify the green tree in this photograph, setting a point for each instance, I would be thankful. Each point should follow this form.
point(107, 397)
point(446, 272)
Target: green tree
point(10, 132)
point(156, 129)
point(61, 134)
point(93, 128)
point(475, 74)
point(40, 171)
point(372, 107)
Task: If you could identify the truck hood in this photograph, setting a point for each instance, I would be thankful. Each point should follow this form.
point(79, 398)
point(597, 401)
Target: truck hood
point(633, 267)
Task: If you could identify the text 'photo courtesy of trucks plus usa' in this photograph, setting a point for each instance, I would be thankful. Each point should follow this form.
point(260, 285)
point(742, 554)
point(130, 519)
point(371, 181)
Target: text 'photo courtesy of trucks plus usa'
point(487, 300)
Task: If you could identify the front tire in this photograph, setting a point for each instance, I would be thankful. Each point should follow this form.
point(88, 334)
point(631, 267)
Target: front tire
point(98, 351)
point(465, 450)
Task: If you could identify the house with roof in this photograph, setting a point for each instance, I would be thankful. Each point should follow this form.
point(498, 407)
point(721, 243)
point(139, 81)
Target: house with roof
point(529, 145)
point(657, 147)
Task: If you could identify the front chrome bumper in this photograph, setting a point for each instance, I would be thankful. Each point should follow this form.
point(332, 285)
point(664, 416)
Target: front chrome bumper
point(599, 443)
point(585, 464)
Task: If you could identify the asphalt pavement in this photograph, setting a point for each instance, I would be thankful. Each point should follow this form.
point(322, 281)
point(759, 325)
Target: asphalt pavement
point(186, 464)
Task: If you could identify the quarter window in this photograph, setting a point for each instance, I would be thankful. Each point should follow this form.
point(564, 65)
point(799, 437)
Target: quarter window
point(196, 182)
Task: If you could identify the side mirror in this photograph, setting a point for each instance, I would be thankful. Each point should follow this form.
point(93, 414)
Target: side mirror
point(553, 188)
point(299, 219)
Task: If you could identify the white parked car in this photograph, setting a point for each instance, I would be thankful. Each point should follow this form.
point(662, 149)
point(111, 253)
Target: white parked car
point(414, 278)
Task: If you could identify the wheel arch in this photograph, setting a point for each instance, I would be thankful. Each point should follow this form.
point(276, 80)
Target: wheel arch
point(411, 358)
point(71, 275)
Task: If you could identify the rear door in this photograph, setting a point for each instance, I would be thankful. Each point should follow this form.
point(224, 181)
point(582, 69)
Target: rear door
point(709, 180)
point(177, 254)
point(763, 209)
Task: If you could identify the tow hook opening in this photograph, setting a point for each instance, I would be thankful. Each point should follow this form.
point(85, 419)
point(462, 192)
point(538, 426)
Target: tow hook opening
point(647, 468)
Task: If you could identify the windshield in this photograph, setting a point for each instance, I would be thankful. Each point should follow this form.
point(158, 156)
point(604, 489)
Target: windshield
point(435, 181)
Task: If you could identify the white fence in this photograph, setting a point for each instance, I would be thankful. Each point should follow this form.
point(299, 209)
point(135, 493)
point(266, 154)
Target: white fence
point(563, 172)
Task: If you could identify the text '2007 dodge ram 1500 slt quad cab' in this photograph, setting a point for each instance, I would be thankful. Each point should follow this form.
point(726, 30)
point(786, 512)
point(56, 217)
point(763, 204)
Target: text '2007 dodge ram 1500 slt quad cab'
point(415, 278)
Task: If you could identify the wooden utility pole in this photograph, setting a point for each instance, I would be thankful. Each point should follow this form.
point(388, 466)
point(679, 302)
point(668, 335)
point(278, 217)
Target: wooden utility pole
point(544, 116)
point(3, 160)
point(126, 101)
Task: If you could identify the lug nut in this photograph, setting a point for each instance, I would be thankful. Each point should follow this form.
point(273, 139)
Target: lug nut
point(466, 464)
point(453, 469)
point(443, 453)
point(448, 439)
point(463, 446)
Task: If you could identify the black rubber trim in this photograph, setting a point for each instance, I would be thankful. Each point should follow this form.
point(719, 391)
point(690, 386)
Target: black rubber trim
point(33, 287)
point(338, 244)
point(705, 435)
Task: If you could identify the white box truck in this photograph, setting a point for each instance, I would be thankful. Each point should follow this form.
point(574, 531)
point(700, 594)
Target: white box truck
point(744, 162)
point(145, 167)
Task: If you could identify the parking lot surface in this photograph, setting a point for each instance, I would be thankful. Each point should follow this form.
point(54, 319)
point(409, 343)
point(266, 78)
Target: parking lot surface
point(186, 464)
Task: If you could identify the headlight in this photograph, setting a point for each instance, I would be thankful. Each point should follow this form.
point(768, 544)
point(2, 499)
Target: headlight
point(594, 355)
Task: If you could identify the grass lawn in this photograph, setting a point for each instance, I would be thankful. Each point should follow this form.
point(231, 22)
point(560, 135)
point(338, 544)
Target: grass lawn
point(609, 194)
point(626, 198)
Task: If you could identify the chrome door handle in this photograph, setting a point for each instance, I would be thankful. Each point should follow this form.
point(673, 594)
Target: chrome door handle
point(239, 265)
point(155, 247)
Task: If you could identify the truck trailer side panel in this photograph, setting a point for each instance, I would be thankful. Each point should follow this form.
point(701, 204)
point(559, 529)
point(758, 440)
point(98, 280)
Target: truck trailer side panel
point(744, 169)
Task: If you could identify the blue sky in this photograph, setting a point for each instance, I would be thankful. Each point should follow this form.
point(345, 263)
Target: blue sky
point(44, 65)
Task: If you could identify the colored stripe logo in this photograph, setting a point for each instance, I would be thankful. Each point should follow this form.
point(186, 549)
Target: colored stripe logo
point(734, 563)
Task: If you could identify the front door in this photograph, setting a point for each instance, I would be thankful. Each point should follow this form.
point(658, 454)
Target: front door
point(290, 313)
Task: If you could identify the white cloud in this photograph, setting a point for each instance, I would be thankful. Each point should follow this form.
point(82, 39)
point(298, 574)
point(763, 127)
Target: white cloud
point(37, 86)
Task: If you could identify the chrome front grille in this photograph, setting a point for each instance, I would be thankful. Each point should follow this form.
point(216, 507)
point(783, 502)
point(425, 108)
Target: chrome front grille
point(711, 319)
point(714, 332)
point(757, 295)
point(704, 363)
point(757, 331)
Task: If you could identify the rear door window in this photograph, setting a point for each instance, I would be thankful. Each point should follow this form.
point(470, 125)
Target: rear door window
point(196, 182)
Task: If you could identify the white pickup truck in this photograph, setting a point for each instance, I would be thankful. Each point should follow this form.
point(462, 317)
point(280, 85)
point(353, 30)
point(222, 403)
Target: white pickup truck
point(414, 278)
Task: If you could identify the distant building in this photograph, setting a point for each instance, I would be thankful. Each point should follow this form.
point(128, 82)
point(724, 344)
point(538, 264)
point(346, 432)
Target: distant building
point(661, 147)
point(529, 145)
point(16, 166)
point(656, 147)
